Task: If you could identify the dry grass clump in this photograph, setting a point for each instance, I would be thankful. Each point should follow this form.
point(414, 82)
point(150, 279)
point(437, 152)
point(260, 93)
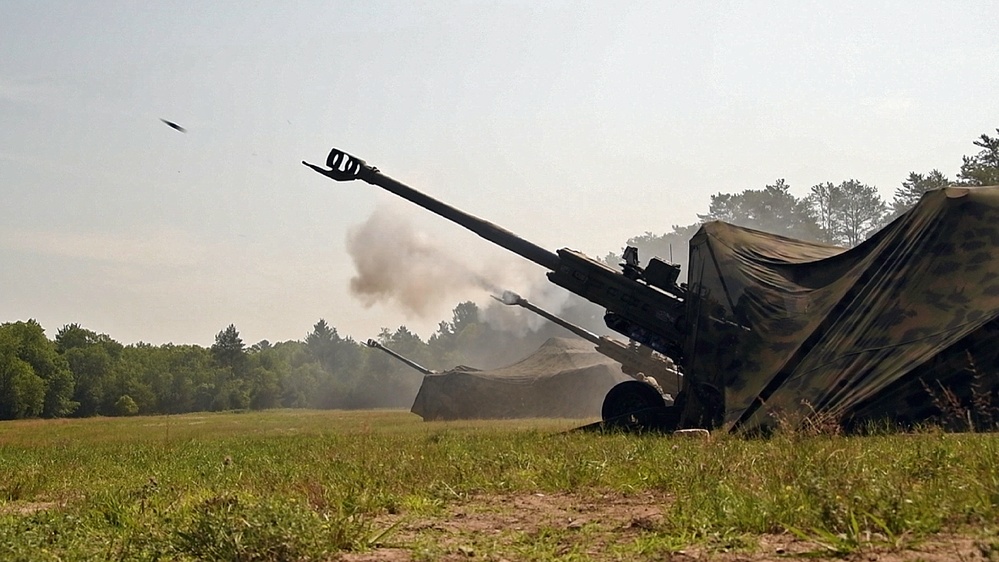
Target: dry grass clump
point(980, 413)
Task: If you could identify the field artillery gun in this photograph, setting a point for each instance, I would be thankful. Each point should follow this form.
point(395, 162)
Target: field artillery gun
point(644, 304)
point(375, 345)
point(637, 361)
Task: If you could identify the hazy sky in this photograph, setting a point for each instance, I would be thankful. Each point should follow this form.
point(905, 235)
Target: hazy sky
point(574, 124)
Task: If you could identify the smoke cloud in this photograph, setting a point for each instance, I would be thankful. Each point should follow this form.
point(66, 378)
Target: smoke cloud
point(399, 265)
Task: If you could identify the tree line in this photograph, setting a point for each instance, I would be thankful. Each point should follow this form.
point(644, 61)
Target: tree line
point(841, 214)
point(83, 373)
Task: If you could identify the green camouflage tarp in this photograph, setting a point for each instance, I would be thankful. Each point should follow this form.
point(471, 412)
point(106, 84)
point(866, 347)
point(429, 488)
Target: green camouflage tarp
point(782, 328)
point(564, 378)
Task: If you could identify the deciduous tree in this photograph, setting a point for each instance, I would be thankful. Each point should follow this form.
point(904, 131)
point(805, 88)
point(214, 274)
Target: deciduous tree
point(22, 392)
point(847, 213)
point(91, 366)
point(771, 209)
point(860, 214)
point(26, 342)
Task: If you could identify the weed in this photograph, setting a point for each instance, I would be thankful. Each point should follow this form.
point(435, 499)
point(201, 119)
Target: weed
point(978, 412)
point(229, 528)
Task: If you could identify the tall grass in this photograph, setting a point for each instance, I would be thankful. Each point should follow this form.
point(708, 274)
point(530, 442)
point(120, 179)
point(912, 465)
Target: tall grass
point(292, 485)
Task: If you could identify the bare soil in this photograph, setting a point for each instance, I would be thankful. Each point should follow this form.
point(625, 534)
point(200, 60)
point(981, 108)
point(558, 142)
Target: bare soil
point(613, 520)
point(28, 508)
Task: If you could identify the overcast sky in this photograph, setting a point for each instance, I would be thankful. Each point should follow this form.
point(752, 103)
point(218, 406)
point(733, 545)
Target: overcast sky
point(574, 124)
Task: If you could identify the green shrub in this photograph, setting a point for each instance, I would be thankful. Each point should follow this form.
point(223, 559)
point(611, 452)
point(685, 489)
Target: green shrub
point(125, 406)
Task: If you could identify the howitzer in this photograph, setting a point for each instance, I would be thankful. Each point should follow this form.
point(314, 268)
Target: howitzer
point(375, 345)
point(637, 361)
point(644, 304)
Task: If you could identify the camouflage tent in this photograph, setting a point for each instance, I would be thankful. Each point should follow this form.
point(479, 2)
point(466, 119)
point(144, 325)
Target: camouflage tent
point(901, 327)
point(564, 378)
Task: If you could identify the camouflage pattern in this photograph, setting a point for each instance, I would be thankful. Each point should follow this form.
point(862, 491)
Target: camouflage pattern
point(780, 329)
point(564, 378)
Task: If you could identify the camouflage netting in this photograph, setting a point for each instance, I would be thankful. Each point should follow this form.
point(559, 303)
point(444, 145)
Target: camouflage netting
point(894, 328)
point(564, 378)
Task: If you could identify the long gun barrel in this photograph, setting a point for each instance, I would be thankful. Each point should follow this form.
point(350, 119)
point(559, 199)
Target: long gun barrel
point(345, 168)
point(410, 362)
point(643, 304)
point(635, 361)
point(511, 298)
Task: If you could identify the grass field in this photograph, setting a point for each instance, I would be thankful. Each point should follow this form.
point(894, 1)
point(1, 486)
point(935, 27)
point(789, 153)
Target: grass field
point(383, 485)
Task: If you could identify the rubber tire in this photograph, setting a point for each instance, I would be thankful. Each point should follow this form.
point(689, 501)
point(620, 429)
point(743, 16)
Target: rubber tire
point(631, 397)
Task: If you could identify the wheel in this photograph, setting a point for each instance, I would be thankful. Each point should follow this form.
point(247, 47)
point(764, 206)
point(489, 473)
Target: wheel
point(632, 403)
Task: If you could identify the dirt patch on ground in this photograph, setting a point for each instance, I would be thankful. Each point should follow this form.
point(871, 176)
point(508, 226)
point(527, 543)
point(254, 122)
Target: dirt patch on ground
point(608, 527)
point(28, 508)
